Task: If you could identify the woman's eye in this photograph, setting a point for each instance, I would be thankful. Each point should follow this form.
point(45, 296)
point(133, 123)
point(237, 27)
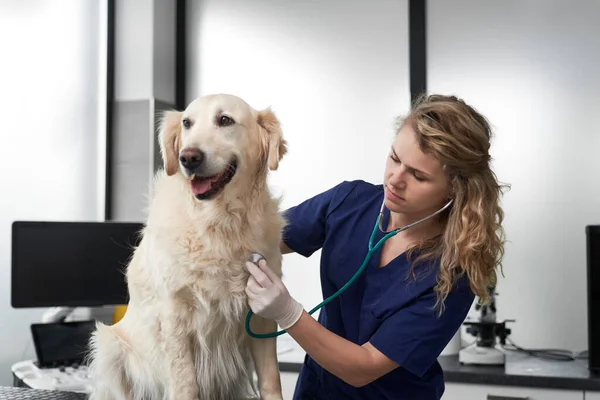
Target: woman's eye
point(418, 177)
point(186, 123)
point(224, 120)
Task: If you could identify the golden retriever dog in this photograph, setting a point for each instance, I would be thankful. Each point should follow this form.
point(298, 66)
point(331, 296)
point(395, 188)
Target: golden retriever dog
point(183, 335)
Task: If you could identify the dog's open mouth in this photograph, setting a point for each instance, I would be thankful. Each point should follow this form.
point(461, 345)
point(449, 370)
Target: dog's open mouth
point(205, 188)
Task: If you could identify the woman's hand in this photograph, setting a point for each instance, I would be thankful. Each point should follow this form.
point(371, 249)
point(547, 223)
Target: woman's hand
point(268, 297)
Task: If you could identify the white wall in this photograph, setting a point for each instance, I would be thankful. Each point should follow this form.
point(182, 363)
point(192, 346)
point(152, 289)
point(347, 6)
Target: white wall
point(164, 32)
point(145, 59)
point(51, 108)
point(145, 50)
point(336, 74)
point(532, 69)
point(134, 56)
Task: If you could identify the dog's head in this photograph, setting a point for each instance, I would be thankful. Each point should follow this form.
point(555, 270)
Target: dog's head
point(218, 139)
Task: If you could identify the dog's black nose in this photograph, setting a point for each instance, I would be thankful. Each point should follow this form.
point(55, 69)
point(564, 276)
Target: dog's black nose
point(191, 158)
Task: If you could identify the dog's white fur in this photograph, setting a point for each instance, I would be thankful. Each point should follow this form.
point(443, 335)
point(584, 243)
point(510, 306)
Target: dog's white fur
point(183, 336)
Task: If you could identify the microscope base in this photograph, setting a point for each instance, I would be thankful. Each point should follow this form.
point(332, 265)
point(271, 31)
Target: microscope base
point(474, 354)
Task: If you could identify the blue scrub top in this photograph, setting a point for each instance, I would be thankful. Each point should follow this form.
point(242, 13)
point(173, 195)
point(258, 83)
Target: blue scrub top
point(395, 314)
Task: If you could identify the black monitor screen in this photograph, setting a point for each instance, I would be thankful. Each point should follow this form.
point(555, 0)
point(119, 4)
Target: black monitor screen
point(71, 264)
point(593, 295)
point(61, 343)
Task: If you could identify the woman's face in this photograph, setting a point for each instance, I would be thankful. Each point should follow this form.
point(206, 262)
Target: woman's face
point(415, 183)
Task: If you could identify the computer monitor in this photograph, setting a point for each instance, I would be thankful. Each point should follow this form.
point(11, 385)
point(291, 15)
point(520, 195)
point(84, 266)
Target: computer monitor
point(61, 343)
point(593, 295)
point(71, 264)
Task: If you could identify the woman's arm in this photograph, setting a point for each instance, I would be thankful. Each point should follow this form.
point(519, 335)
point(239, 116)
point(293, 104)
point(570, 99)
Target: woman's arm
point(354, 364)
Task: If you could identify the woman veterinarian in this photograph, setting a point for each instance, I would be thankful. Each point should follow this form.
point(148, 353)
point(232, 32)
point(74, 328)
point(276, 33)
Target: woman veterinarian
point(381, 338)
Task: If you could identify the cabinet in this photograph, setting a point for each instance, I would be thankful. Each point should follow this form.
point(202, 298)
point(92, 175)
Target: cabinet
point(461, 391)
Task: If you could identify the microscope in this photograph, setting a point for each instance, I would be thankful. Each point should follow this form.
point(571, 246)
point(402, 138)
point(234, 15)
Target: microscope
point(486, 350)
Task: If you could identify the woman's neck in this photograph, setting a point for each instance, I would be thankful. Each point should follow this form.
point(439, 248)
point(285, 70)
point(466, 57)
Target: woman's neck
point(423, 230)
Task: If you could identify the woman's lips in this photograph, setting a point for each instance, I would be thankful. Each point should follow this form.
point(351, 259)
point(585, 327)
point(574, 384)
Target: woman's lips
point(392, 196)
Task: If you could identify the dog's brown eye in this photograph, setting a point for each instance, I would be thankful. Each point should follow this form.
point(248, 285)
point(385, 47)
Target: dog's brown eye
point(186, 123)
point(224, 120)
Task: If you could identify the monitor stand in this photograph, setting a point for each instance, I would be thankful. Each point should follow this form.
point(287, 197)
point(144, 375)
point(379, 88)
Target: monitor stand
point(56, 314)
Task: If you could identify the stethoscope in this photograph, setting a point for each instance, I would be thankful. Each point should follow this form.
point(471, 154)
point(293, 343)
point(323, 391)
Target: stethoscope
point(372, 250)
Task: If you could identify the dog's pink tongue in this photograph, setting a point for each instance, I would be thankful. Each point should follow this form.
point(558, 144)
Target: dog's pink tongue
point(201, 186)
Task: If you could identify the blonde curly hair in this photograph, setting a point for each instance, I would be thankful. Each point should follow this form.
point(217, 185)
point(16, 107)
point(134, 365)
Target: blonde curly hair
point(472, 241)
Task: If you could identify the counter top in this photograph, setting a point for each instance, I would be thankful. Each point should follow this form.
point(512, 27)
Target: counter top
point(524, 370)
point(520, 370)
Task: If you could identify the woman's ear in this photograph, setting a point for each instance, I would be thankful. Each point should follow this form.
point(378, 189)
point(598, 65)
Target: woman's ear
point(169, 140)
point(277, 146)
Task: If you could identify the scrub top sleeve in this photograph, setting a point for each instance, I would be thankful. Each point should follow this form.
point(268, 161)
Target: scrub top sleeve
point(305, 231)
point(415, 336)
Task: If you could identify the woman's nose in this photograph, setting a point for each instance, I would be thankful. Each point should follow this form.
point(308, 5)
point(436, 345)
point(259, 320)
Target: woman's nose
point(398, 177)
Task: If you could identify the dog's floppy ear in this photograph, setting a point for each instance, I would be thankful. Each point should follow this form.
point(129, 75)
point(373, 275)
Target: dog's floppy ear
point(169, 138)
point(277, 146)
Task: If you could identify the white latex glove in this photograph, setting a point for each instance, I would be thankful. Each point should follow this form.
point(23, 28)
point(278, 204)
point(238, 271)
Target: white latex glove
point(268, 296)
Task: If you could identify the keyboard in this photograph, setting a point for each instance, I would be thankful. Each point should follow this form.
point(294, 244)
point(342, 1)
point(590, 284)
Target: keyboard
point(15, 393)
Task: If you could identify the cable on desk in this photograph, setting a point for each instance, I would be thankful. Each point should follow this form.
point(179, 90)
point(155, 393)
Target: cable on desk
point(548, 354)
